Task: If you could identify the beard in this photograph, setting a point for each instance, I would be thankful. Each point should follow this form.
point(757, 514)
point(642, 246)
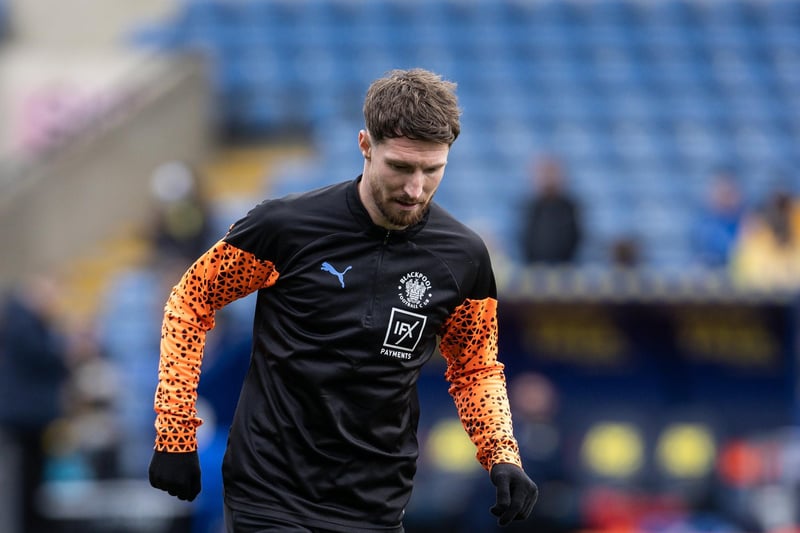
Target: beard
point(393, 215)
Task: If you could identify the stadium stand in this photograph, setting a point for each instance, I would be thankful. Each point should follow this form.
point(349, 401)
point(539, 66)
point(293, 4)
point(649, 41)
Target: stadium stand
point(640, 98)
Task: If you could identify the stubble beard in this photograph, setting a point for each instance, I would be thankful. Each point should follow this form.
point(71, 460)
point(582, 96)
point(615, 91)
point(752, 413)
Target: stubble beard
point(396, 218)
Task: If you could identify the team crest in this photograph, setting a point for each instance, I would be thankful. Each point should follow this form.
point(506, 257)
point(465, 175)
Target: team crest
point(414, 290)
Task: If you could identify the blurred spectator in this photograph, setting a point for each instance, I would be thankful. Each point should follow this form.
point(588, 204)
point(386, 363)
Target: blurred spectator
point(91, 430)
point(183, 221)
point(719, 220)
point(129, 332)
point(551, 222)
point(767, 253)
point(225, 364)
point(541, 444)
point(536, 399)
point(538, 429)
point(33, 370)
point(625, 252)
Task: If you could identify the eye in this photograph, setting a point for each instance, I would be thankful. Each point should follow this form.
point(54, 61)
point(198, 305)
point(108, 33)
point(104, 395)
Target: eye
point(434, 170)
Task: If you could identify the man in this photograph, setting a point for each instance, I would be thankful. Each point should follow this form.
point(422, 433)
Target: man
point(356, 284)
point(33, 372)
point(551, 222)
point(720, 220)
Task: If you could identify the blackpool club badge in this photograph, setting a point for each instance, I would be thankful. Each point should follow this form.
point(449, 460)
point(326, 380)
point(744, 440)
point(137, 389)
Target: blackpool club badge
point(414, 290)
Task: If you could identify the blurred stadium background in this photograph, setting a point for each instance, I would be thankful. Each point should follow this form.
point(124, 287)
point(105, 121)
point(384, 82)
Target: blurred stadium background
point(661, 397)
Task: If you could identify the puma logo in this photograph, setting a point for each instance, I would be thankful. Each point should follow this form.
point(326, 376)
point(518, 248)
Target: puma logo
point(327, 267)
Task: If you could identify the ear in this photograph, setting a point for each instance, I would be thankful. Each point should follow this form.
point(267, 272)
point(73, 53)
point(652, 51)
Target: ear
point(364, 144)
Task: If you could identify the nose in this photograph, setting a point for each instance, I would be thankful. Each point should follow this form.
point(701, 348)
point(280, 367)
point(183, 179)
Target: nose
point(413, 185)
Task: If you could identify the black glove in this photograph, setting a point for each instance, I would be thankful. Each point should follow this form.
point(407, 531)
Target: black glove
point(176, 473)
point(516, 493)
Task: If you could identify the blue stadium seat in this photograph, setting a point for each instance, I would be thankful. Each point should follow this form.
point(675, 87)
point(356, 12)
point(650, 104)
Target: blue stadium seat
point(619, 14)
point(737, 14)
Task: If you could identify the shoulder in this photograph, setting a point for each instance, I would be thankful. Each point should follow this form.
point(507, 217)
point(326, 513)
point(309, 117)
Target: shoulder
point(290, 206)
point(274, 219)
point(288, 211)
point(455, 237)
point(463, 253)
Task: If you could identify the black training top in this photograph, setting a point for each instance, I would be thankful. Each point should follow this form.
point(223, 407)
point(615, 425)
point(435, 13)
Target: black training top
point(346, 315)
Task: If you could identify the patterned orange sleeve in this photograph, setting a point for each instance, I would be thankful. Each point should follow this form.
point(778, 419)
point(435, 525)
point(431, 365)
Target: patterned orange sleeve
point(477, 381)
point(220, 276)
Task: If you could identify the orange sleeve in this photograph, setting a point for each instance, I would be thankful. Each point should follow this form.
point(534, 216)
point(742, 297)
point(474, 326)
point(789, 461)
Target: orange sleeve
point(477, 381)
point(220, 276)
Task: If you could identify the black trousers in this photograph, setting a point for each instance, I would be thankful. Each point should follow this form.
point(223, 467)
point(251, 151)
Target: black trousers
point(236, 522)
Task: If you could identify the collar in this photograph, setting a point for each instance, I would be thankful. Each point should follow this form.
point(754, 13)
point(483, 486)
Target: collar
point(360, 213)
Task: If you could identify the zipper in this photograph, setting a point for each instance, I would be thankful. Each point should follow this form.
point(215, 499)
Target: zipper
point(374, 301)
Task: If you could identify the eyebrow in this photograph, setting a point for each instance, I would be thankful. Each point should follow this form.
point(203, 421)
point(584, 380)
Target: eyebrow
point(406, 164)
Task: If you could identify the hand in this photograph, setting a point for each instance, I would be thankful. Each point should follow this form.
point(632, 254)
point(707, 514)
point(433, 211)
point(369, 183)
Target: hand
point(176, 473)
point(516, 493)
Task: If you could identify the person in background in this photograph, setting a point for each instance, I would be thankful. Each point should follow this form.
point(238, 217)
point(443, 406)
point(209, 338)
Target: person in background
point(358, 283)
point(33, 371)
point(625, 252)
point(535, 401)
point(551, 224)
point(182, 225)
point(719, 221)
point(767, 253)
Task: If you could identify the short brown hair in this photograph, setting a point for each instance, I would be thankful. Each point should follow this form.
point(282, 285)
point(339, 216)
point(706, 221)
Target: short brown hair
point(416, 104)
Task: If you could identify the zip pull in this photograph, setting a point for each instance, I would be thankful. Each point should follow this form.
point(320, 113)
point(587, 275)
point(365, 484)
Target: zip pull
point(386, 237)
